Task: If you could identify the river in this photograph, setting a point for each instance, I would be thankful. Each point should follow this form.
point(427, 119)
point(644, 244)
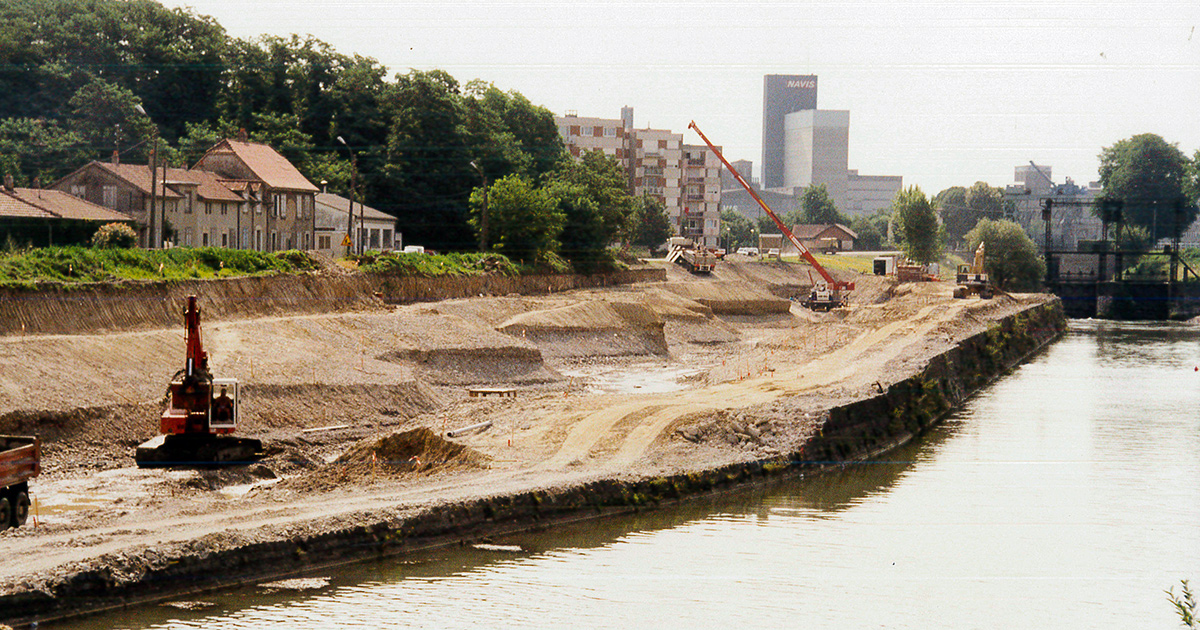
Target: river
point(1066, 495)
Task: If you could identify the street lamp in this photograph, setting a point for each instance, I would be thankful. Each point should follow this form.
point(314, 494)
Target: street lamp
point(483, 222)
point(152, 239)
point(353, 189)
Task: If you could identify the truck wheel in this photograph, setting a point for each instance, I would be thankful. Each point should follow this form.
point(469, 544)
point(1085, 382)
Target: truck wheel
point(5, 513)
point(20, 509)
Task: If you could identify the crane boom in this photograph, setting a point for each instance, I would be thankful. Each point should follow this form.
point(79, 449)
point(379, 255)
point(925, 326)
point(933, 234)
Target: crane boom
point(835, 284)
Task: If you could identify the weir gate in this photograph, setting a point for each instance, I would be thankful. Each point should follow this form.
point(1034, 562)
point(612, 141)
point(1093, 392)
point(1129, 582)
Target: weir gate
point(1124, 274)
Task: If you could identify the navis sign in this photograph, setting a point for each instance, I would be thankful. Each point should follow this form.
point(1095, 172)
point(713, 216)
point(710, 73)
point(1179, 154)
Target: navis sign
point(805, 84)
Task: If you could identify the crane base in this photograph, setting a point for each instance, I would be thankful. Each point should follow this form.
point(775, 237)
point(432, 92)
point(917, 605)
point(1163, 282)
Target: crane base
point(197, 451)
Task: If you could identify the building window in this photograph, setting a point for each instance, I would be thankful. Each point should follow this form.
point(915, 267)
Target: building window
point(375, 238)
point(78, 190)
point(387, 239)
point(110, 197)
point(224, 209)
point(291, 206)
point(187, 237)
point(610, 132)
point(258, 240)
point(245, 242)
point(204, 239)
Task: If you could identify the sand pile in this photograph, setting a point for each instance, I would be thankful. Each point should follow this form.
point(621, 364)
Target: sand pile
point(417, 450)
point(592, 328)
point(730, 297)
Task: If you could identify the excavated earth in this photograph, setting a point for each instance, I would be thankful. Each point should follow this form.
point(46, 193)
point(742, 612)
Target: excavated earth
point(630, 382)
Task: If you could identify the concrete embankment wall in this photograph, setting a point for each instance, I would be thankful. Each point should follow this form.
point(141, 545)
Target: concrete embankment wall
point(102, 307)
point(854, 431)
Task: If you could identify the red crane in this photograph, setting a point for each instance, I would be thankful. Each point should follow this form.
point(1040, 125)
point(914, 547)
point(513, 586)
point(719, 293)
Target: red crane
point(830, 294)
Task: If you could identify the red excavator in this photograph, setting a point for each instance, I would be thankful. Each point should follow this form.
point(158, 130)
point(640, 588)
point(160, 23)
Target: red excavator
point(203, 411)
point(827, 294)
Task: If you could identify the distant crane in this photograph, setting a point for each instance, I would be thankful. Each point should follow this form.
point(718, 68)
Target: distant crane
point(825, 295)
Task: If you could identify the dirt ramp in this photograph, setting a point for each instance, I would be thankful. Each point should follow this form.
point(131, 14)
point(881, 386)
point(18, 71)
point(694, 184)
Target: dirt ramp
point(450, 350)
point(730, 297)
point(592, 328)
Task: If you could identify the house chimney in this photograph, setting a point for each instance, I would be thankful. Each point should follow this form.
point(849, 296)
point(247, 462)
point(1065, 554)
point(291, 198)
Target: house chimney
point(116, 158)
point(8, 182)
point(242, 136)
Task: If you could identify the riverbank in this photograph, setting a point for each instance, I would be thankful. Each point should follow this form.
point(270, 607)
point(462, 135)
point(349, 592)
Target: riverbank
point(777, 394)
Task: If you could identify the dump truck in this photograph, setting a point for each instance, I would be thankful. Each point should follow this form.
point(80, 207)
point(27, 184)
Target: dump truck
point(201, 413)
point(20, 461)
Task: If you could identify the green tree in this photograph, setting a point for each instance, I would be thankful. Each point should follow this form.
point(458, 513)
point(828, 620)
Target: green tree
point(818, 208)
point(113, 236)
point(1012, 260)
point(584, 240)
point(957, 217)
point(105, 117)
point(917, 225)
point(524, 222)
point(871, 230)
point(1148, 176)
point(604, 180)
point(653, 225)
point(737, 231)
point(38, 148)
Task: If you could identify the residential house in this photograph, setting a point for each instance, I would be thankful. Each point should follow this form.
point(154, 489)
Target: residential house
point(372, 228)
point(45, 217)
point(281, 201)
point(124, 188)
point(821, 237)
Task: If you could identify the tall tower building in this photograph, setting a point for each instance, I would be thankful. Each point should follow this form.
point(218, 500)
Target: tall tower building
point(783, 94)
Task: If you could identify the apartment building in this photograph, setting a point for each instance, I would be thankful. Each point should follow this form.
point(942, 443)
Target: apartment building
point(685, 178)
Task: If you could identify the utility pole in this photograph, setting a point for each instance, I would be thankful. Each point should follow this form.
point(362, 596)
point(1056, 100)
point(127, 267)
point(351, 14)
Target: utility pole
point(353, 193)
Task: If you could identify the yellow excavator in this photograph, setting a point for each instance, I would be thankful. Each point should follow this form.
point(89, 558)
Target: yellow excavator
point(972, 279)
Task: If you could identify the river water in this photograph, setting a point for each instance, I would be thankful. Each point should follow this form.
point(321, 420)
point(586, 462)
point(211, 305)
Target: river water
point(1066, 495)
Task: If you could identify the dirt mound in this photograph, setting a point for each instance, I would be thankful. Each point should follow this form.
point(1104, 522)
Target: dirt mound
point(730, 297)
point(418, 450)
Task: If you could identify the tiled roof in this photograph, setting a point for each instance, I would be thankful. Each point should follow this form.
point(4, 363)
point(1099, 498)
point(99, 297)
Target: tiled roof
point(54, 204)
point(342, 205)
point(814, 230)
point(138, 176)
point(267, 164)
point(208, 184)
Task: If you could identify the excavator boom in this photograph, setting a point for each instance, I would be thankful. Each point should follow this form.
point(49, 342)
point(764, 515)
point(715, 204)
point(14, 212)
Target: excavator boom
point(836, 284)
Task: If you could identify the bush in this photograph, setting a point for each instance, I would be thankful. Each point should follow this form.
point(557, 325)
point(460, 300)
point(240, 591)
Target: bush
point(113, 236)
point(1012, 258)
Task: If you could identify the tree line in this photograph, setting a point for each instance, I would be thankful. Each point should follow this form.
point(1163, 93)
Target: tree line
point(80, 79)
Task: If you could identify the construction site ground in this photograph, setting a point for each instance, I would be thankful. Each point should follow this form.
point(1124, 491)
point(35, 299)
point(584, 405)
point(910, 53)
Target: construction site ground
point(642, 380)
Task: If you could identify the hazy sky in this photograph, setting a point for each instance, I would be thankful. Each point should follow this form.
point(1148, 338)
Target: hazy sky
point(941, 92)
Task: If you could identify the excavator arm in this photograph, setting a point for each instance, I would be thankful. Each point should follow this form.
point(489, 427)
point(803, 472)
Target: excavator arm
point(834, 284)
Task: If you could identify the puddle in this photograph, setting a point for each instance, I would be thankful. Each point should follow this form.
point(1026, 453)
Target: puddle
point(68, 499)
point(638, 378)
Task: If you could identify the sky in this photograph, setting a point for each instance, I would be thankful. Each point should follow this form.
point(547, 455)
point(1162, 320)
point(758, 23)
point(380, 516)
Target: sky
point(943, 93)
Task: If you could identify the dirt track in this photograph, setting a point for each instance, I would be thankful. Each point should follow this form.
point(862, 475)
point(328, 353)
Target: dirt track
point(737, 374)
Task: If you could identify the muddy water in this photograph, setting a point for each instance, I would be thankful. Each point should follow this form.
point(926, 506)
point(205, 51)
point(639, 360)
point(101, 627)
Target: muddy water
point(1067, 495)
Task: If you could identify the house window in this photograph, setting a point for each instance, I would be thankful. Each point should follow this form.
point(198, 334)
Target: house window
point(78, 190)
point(387, 238)
point(207, 207)
point(187, 237)
point(110, 197)
point(224, 240)
point(375, 238)
point(224, 209)
point(291, 206)
point(323, 242)
point(245, 242)
point(610, 132)
point(274, 240)
point(258, 240)
point(204, 239)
